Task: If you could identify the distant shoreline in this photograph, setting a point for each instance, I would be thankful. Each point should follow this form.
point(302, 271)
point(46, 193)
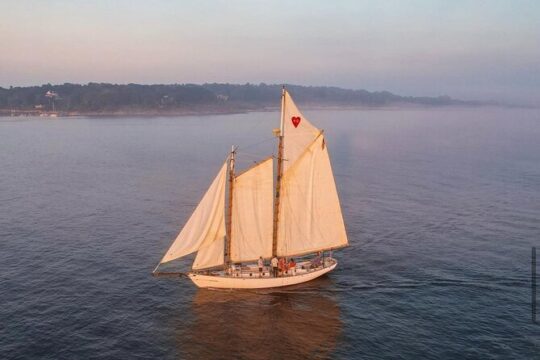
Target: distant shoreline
point(122, 113)
point(120, 100)
point(228, 111)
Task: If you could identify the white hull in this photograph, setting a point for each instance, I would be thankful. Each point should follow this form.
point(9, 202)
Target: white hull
point(244, 280)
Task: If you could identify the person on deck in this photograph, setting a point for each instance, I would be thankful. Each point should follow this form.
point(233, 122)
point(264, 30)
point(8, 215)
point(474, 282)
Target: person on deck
point(316, 262)
point(260, 262)
point(292, 267)
point(281, 266)
point(274, 262)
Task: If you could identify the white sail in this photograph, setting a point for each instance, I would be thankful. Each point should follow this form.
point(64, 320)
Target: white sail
point(310, 217)
point(299, 133)
point(251, 223)
point(206, 226)
point(212, 253)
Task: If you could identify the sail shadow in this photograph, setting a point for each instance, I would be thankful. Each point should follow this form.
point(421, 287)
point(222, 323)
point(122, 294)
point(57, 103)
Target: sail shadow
point(295, 323)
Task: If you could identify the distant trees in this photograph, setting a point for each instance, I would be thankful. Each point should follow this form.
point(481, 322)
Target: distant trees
point(102, 97)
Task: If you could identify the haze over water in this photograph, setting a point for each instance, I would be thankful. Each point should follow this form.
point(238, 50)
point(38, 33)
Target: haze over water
point(442, 207)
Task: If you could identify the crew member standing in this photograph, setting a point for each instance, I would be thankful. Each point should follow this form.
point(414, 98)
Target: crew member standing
point(274, 266)
point(292, 267)
point(261, 265)
point(281, 266)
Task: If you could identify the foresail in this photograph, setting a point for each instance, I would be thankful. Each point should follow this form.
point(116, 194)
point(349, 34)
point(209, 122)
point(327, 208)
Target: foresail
point(310, 217)
point(211, 254)
point(299, 133)
point(206, 226)
point(251, 225)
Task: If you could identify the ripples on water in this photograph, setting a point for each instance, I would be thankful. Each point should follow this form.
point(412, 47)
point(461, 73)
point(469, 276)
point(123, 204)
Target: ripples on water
point(441, 206)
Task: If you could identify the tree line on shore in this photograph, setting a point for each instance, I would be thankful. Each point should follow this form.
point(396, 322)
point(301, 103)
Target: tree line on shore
point(103, 97)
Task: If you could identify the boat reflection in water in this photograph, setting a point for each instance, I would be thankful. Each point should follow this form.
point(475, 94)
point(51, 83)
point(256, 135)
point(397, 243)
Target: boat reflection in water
point(298, 322)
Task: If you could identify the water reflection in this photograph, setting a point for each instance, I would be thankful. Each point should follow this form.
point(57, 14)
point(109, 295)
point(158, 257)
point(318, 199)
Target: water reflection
point(295, 323)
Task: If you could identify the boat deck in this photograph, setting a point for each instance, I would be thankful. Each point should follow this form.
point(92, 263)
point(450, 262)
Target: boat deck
point(252, 270)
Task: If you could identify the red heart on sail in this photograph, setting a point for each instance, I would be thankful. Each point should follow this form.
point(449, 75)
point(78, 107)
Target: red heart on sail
point(296, 120)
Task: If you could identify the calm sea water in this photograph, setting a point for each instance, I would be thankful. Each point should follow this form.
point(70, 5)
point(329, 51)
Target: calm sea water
point(441, 206)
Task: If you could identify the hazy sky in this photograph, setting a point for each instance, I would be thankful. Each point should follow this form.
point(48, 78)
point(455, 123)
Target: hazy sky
point(466, 49)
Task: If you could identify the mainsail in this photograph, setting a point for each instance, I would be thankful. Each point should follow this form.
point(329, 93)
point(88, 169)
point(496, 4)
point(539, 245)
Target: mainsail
point(309, 216)
point(205, 229)
point(251, 224)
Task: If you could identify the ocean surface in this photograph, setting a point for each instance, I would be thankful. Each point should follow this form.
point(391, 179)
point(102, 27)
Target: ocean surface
point(442, 207)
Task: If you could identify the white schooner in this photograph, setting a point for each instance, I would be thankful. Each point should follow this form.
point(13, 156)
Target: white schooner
point(286, 210)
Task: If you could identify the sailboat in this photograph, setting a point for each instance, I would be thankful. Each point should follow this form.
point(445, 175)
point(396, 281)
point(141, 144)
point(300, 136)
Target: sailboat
point(283, 207)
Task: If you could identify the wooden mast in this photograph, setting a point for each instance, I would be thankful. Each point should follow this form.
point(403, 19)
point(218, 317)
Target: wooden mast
point(229, 208)
point(279, 175)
